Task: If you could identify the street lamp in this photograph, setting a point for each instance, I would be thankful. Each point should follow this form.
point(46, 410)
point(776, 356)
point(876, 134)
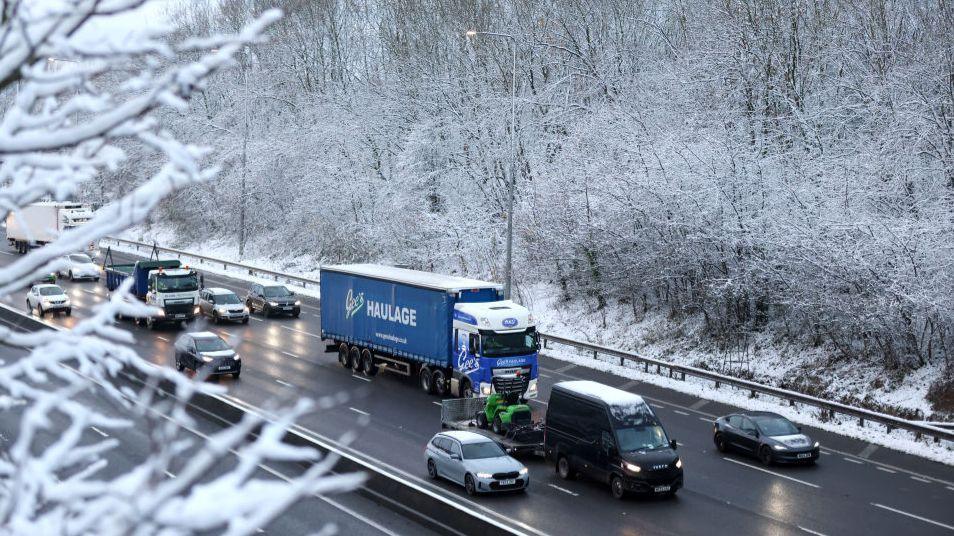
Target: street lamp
point(508, 267)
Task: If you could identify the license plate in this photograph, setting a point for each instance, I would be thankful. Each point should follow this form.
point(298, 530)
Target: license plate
point(508, 482)
point(286, 308)
point(179, 316)
point(805, 455)
point(226, 367)
point(660, 489)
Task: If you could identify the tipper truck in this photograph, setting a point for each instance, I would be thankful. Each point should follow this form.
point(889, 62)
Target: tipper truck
point(165, 284)
point(41, 223)
point(458, 336)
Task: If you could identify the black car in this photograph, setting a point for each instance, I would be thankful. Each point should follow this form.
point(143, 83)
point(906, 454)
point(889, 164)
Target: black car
point(612, 436)
point(206, 352)
point(768, 436)
point(272, 300)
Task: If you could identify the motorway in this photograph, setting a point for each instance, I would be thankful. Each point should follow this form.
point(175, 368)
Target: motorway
point(856, 488)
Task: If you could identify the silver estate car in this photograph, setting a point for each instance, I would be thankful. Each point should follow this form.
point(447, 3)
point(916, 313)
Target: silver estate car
point(474, 461)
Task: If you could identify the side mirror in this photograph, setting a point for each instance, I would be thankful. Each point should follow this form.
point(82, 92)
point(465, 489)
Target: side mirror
point(799, 428)
point(455, 457)
point(673, 444)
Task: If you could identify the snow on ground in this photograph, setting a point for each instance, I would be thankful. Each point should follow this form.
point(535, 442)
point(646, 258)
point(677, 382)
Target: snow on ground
point(656, 336)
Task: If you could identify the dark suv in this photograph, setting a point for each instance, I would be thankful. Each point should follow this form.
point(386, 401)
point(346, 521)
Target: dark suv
point(206, 352)
point(272, 300)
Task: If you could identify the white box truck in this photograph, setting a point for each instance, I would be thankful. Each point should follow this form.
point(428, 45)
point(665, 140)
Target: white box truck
point(41, 223)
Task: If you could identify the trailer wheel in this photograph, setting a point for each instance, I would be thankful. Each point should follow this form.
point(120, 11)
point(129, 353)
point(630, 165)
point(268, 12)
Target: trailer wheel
point(367, 363)
point(354, 358)
point(427, 380)
point(343, 355)
point(440, 382)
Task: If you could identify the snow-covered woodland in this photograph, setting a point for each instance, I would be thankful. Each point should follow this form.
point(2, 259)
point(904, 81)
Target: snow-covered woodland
point(763, 166)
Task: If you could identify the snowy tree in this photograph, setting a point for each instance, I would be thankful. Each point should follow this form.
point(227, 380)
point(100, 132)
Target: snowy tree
point(76, 103)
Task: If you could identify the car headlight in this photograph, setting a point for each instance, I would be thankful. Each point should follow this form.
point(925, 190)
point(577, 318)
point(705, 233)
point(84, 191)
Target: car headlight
point(485, 389)
point(67, 302)
point(484, 475)
point(678, 463)
point(297, 302)
point(524, 471)
point(273, 304)
point(207, 359)
point(245, 310)
point(237, 357)
point(815, 446)
point(778, 447)
point(195, 310)
point(532, 386)
point(632, 467)
point(45, 300)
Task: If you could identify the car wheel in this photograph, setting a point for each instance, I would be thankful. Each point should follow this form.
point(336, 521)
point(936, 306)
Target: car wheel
point(431, 469)
point(69, 312)
point(42, 312)
point(215, 317)
point(71, 276)
point(765, 456)
point(482, 420)
point(245, 320)
point(497, 426)
point(296, 315)
point(616, 485)
point(251, 308)
point(427, 381)
point(266, 310)
point(29, 307)
point(354, 359)
point(236, 374)
point(720, 443)
point(367, 363)
point(564, 469)
point(179, 366)
point(343, 355)
point(440, 383)
point(469, 485)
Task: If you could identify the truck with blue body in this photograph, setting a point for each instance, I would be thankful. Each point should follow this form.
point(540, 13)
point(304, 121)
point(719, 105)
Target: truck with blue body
point(165, 284)
point(458, 336)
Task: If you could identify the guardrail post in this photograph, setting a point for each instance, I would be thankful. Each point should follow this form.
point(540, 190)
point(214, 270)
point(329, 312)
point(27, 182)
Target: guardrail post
point(545, 341)
point(917, 436)
point(752, 394)
point(595, 355)
point(718, 383)
point(682, 375)
point(888, 428)
point(670, 372)
point(658, 370)
point(861, 422)
point(621, 361)
point(646, 367)
point(791, 402)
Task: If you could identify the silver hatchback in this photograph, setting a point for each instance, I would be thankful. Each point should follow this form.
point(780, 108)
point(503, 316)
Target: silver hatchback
point(474, 461)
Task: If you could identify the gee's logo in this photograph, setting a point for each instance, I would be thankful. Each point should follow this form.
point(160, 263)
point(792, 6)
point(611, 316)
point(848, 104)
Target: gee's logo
point(509, 322)
point(353, 303)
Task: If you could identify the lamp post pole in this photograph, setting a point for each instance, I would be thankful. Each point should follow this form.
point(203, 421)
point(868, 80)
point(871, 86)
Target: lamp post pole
point(512, 183)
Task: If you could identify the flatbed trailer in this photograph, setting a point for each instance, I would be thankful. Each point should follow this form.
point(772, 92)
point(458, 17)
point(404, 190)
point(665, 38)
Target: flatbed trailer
point(520, 440)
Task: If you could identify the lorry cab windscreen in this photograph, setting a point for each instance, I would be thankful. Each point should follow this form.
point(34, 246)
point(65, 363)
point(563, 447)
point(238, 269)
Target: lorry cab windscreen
point(177, 283)
point(479, 451)
point(508, 344)
point(277, 292)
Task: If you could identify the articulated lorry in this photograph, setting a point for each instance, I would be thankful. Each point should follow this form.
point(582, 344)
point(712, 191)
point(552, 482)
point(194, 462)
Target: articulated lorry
point(41, 223)
point(456, 335)
point(165, 284)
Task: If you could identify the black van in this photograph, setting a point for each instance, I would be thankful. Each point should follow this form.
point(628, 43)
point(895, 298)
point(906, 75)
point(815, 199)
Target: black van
point(612, 436)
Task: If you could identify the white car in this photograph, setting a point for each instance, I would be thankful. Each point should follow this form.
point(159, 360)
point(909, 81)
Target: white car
point(80, 266)
point(48, 299)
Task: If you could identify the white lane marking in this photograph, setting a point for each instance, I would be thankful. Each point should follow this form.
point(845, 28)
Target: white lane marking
point(255, 319)
point(681, 412)
point(286, 384)
point(534, 400)
point(170, 475)
point(161, 338)
point(358, 411)
point(302, 332)
point(88, 291)
point(438, 403)
point(919, 518)
point(289, 354)
point(949, 488)
point(887, 470)
point(919, 479)
point(564, 490)
point(98, 431)
point(657, 406)
point(868, 451)
point(810, 531)
point(362, 378)
point(6, 253)
point(698, 404)
point(780, 475)
point(706, 419)
point(852, 460)
point(542, 375)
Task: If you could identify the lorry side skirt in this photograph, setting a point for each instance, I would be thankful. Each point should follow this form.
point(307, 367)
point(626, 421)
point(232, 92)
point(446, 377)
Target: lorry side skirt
point(392, 318)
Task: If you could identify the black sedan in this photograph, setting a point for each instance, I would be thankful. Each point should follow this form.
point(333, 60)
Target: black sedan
point(768, 436)
point(206, 352)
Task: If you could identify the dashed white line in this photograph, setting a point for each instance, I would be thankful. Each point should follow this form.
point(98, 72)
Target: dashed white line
point(438, 403)
point(657, 406)
point(161, 338)
point(535, 401)
point(286, 384)
point(852, 460)
point(302, 332)
point(88, 291)
point(362, 378)
point(773, 473)
point(564, 490)
point(98, 431)
point(919, 479)
point(919, 518)
point(358, 411)
point(6, 253)
point(681, 412)
point(255, 319)
point(542, 375)
point(810, 531)
point(706, 419)
point(887, 470)
point(289, 354)
point(170, 475)
point(949, 488)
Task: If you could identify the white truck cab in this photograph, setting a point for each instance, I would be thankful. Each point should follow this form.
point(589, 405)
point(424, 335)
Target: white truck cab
point(175, 291)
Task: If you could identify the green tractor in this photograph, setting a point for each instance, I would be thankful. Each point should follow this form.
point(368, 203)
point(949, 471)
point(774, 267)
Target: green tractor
point(502, 412)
